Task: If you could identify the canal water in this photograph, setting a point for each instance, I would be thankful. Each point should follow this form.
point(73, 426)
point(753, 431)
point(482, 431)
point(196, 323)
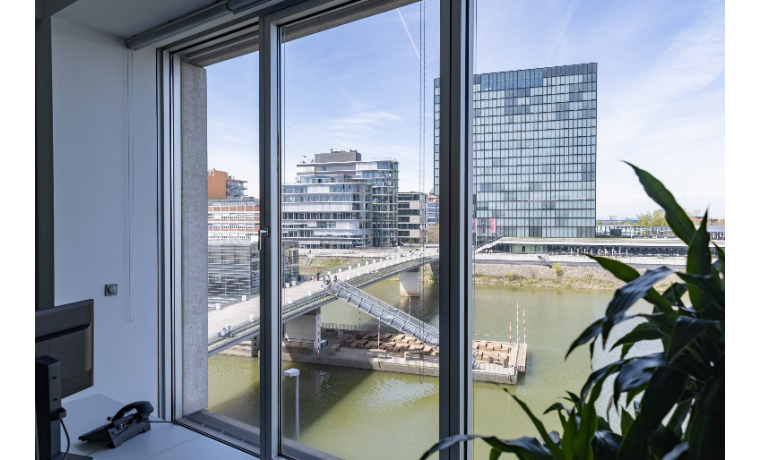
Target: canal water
point(362, 414)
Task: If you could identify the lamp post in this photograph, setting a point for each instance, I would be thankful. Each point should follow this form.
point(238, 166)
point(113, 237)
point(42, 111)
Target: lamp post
point(295, 373)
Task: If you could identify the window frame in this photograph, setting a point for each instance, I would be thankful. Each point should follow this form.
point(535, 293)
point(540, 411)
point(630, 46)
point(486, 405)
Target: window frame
point(455, 207)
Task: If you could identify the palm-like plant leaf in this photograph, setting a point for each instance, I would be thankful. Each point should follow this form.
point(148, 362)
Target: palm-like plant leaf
point(663, 391)
point(643, 331)
point(677, 218)
point(627, 295)
point(706, 431)
point(636, 373)
point(686, 381)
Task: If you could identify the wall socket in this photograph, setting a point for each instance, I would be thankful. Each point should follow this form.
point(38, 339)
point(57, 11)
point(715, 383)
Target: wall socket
point(112, 289)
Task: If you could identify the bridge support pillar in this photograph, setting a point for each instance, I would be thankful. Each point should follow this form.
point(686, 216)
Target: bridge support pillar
point(305, 328)
point(435, 268)
point(410, 283)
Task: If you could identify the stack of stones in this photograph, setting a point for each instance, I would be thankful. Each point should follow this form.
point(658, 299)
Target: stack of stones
point(393, 343)
point(492, 352)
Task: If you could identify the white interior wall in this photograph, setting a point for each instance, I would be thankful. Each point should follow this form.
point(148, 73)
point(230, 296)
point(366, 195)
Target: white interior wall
point(105, 164)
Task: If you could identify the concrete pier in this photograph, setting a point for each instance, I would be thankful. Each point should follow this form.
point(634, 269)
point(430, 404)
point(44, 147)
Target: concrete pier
point(493, 361)
point(410, 283)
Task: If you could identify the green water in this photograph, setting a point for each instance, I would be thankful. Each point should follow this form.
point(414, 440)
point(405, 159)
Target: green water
point(360, 414)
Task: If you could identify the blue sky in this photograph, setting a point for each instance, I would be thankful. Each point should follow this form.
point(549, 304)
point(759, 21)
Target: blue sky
point(661, 91)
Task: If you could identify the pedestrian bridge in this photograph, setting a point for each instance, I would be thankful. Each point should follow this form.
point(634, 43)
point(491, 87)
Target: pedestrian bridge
point(248, 327)
point(386, 313)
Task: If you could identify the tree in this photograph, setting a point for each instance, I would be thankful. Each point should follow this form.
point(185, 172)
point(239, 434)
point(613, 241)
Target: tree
point(433, 235)
point(655, 218)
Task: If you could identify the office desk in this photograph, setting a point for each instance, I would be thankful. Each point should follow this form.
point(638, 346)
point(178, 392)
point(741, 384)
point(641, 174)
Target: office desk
point(164, 441)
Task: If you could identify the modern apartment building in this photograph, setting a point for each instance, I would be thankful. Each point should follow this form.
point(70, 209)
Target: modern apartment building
point(412, 217)
point(534, 148)
point(328, 211)
point(381, 175)
point(222, 186)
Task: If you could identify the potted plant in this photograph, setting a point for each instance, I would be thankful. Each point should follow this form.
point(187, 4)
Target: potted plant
point(671, 403)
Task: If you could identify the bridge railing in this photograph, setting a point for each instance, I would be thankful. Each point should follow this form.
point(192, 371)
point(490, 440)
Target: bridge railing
point(386, 313)
point(250, 327)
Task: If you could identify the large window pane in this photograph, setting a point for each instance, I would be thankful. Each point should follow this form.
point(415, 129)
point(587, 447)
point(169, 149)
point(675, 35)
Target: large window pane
point(547, 76)
point(233, 224)
point(360, 306)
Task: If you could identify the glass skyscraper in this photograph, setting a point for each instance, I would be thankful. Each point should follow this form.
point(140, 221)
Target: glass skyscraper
point(534, 147)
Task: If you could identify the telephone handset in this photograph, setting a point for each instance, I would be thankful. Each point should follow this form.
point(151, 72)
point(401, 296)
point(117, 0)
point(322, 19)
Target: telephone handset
point(124, 425)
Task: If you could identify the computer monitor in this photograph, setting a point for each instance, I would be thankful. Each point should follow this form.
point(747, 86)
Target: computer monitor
point(63, 366)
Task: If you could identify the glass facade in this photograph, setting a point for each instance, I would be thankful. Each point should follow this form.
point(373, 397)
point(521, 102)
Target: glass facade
point(412, 217)
point(327, 211)
point(534, 152)
point(381, 175)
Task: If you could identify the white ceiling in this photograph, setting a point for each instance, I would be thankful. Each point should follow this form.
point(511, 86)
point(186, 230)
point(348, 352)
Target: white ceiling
point(125, 18)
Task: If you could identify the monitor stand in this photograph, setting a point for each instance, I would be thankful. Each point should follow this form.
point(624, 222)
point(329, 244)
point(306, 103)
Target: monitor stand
point(48, 409)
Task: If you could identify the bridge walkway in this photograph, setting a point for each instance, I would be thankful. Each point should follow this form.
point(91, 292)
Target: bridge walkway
point(386, 313)
point(247, 329)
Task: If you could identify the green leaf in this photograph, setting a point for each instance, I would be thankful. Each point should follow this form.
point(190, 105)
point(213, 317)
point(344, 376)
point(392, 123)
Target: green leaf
point(573, 397)
point(582, 443)
point(626, 420)
point(597, 375)
point(627, 273)
point(707, 424)
point(698, 262)
point(619, 270)
point(631, 394)
point(662, 441)
point(558, 407)
point(677, 218)
point(627, 295)
point(712, 294)
point(568, 437)
point(635, 373)
point(663, 391)
point(643, 331)
point(591, 332)
point(448, 442)
point(553, 448)
point(678, 452)
point(606, 445)
point(679, 415)
point(674, 294)
point(525, 448)
point(686, 331)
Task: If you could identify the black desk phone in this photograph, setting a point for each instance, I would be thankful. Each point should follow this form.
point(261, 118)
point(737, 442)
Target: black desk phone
point(127, 423)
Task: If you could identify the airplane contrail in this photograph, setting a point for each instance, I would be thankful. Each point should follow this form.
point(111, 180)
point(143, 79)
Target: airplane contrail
point(407, 33)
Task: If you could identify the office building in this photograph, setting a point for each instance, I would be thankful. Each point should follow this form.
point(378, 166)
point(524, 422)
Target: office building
point(222, 186)
point(432, 210)
point(328, 211)
point(121, 106)
point(381, 175)
point(235, 219)
point(534, 152)
point(412, 217)
point(233, 268)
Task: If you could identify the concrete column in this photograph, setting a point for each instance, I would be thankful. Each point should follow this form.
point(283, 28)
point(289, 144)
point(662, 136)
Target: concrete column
point(305, 328)
point(194, 240)
point(410, 283)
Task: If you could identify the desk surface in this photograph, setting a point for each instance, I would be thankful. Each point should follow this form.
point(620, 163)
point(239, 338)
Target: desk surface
point(164, 441)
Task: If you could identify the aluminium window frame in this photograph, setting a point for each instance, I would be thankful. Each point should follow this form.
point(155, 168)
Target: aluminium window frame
point(455, 384)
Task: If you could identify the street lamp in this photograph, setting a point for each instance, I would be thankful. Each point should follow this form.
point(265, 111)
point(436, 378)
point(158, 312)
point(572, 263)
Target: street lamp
point(294, 373)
